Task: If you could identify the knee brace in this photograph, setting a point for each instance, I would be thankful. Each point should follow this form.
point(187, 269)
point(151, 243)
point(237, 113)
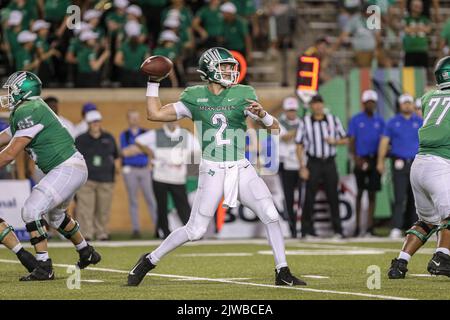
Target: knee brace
point(5, 231)
point(63, 225)
point(39, 226)
point(423, 237)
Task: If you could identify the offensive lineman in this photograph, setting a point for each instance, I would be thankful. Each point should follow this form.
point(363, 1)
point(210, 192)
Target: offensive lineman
point(430, 180)
point(35, 128)
point(219, 111)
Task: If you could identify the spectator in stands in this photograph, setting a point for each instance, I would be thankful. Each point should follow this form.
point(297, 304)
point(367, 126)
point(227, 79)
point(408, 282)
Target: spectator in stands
point(29, 9)
point(365, 130)
point(172, 147)
point(366, 43)
point(92, 18)
point(401, 134)
point(53, 103)
point(444, 41)
point(405, 5)
point(321, 50)
point(134, 14)
point(179, 11)
point(55, 12)
point(152, 11)
point(168, 47)
point(74, 47)
point(237, 36)
point(209, 24)
point(179, 20)
point(82, 126)
point(130, 55)
point(26, 58)
point(317, 136)
point(94, 198)
point(415, 40)
point(247, 10)
point(116, 19)
point(289, 122)
point(10, 35)
point(347, 8)
point(136, 172)
point(44, 51)
point(89, 62)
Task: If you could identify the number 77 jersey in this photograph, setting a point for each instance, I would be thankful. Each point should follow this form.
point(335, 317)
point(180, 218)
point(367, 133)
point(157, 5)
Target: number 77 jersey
point(434, 136)
point(220, 120)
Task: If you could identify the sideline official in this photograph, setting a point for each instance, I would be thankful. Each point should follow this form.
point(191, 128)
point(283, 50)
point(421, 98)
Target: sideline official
point(318, 134)
point(402, 135)
point(365, 130)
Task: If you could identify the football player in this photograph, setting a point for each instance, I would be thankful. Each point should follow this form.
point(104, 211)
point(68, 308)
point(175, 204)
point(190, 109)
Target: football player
point(9, 239)
point(220, 110)
point(430, 180)
point(35, 128)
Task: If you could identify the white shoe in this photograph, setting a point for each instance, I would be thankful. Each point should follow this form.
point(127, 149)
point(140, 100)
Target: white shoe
point(396, 234)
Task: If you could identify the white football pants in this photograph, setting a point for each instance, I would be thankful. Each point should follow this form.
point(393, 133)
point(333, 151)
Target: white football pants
point(430, 182)
point(55, 190)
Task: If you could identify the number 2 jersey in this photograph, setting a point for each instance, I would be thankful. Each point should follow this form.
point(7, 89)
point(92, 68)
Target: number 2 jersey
point(434, 135)
point(51, 144)
point(220, 120)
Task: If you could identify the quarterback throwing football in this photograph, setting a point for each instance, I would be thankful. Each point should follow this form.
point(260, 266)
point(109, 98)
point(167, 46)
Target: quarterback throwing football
point(219, 110)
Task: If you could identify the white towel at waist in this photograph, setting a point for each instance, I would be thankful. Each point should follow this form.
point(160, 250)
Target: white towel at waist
point(231, 180)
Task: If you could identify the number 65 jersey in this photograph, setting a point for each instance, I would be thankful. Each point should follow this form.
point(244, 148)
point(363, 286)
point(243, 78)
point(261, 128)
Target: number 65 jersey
point(219, 119)
point(434, 136)
point(51, 144)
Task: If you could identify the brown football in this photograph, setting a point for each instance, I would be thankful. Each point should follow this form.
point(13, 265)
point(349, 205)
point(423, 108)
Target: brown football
point(156, 66)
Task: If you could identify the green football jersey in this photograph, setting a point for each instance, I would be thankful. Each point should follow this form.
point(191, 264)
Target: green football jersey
point(434, 136)
point(53, 144)
point(219, 120)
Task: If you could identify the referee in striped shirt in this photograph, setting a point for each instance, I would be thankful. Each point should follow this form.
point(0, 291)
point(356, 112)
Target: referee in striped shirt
point(317, 136)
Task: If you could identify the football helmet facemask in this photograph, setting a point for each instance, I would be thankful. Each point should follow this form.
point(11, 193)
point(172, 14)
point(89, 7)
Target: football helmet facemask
point(21, 85)
point(211, 67)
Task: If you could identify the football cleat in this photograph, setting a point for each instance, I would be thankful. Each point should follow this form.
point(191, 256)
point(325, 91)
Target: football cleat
point(140, 269)
point(285, 278)
point(27, 260)
point(43, 272)
point(439, 264)
point(398, 269)
point(88, 256)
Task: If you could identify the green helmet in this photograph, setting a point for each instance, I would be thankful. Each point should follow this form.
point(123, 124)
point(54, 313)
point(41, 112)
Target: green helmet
point(209, 66)
point(21, 86)
point(442, 72)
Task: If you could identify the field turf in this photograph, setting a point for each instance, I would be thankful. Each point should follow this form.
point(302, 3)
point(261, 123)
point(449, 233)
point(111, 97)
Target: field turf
point(232, 270)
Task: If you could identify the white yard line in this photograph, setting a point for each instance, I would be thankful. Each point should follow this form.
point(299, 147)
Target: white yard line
point(262, 241)
point(357, 294)
point(228, 279)
point(312, 276)
point(324, 252)
point(340, 247)
point(225, 254)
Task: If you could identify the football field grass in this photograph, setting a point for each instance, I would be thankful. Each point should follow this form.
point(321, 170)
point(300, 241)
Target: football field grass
point(232, 270)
